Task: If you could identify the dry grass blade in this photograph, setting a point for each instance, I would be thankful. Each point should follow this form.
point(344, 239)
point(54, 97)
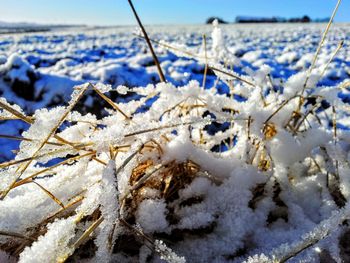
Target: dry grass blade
point(187, 53)
point(279, 108)
point(114, 150)
point(305, 117)
point(206, 61)
point(29, 178)
point(164, 127)
point(69, 205)
point(137, 231)
point(16, 235)
point(156, 61)
point(172, 108)
point(303, 246)
point(77, 146)
point(110, 102)
point(18, 138)
point(71, 105)
point(99, 160)
point(295, 253)
point(127, 160)
point(51, 195)
point(319, 47)
point(334, 123)
point(232, 76)
point(87, 233)
point(14, 162)
point(340, 45)
point(142, 180)
point(16, 113)
point(249, 123)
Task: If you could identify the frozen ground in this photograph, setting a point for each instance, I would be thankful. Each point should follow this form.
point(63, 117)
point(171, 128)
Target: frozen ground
point(261, 184)
point(39, 69)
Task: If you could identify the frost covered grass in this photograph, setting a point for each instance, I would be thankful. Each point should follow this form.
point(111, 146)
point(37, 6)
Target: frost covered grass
point(180, 170)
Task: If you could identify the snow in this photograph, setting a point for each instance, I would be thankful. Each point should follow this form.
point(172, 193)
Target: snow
point(288, 58)
point(16, 68)
point(248, 168)
point(53, 246)
point(110, 213)
point(151, 215)
point(167, 254)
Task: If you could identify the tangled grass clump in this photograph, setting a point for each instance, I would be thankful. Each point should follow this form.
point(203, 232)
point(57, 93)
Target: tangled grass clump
point(161, 168)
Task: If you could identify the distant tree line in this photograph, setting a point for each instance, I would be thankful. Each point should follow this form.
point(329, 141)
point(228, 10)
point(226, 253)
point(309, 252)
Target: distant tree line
point(211, 19)
point(248, 19)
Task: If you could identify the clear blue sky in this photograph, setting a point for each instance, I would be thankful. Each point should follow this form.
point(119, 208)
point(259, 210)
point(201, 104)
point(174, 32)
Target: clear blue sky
point(117, 12)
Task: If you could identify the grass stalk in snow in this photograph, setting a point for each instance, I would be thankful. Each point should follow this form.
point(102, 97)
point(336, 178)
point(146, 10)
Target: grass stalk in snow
point(45, 170)
point(14, 162)
point(155, 58)
point(22, 169)
point(340, 45)
point(232, 75)
point(170, 47)
point(313, 63)
point(75, 202)
point(16, 113)
point(164, 127)
point(51, 195)
point(206, 61)
point(18, 138)
point(87, 233)
point(109, 101)
point(16, 235)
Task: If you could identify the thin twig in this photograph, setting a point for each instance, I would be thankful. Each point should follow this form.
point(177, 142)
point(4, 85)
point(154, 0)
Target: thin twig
point(16, 113)
point(142, 181)
point(32, 177)
point(109, 101)
point(156, 61)
point(12, 234)
point(18, 138)
point(22, 169)
point(87, 233)
point(232, 76)
point(14, 162)
point(167, 46)
point(71, 204)
point(340, 45)
point(318, 51)
point(280, 107)
point(163, 127)
point(51, 195)
point(206, 61)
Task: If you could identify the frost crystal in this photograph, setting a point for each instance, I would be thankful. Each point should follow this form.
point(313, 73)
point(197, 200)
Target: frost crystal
point(167, 254)
point(53, 246)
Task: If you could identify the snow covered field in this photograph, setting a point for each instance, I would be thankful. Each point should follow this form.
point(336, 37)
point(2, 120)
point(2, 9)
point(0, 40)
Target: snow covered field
point(48, 65)
point(250, 164)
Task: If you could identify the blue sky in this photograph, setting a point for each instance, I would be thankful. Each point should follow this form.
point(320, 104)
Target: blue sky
point(117, 12)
